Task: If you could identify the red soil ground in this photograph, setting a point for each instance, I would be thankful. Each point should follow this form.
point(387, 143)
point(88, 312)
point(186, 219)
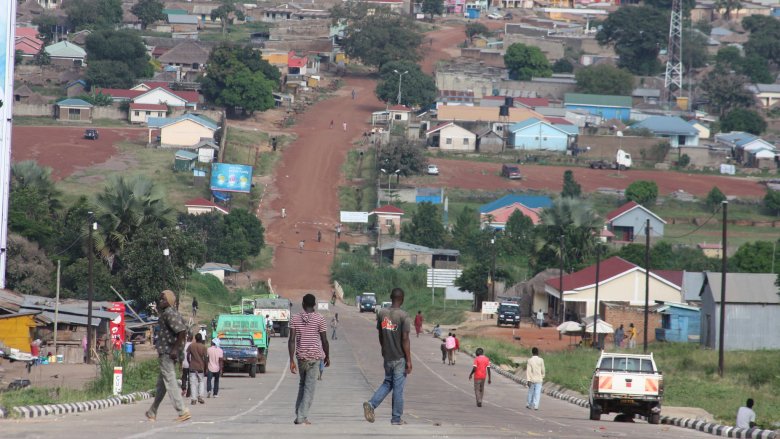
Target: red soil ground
point(485, 176)
point(64, 149)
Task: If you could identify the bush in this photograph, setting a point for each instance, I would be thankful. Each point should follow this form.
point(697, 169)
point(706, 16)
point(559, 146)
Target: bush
point(343, 246)
point(643, 192)
point(684, 161)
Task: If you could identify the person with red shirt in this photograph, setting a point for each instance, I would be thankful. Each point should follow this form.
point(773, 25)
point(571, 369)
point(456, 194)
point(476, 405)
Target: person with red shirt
point(480, 370)
point(457, 342)
point(418, 322)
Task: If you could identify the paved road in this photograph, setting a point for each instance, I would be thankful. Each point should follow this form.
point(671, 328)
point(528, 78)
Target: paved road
point(439, 403)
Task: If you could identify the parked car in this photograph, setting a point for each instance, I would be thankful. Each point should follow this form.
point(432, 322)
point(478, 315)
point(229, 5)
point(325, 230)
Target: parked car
point(509, 16)
point(433, 170)
point(494, 16)
point(91, 134)
point(511, 172)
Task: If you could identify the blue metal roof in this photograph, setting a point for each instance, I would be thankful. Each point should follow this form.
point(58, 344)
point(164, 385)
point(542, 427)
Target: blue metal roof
point(530, 201)
point(187, 155)
point(738, 138)
point(524, 124)
point(73, 102)
point(566, 129)
point(159, 122)
point(670, 125)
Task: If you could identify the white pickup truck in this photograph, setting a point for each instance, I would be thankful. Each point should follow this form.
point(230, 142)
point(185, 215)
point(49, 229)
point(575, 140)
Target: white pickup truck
point(626, 383)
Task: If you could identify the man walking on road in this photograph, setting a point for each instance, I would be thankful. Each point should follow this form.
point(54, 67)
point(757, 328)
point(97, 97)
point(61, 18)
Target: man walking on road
point(534, 374)
point(172, 331)
point(308, 343)
point(197, 358)
point(418, 322)
point(216, 364)
point(334, 324)
point(393, 325)
point(185, 369)
point(480, 370)
point(344, 125)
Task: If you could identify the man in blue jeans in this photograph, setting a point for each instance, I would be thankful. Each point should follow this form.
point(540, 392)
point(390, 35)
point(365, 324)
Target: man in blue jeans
point(393, 325)
point(534, 374)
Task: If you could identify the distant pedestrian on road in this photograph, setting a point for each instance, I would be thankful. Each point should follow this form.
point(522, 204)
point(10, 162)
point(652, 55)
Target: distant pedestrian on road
point(450, 344)
point(457, 345)
point(331, 124)
point(540, 318)
point(393, 325)
point(534, 374)
point(619, 337)
point(197, 356)
point(631, 336)
point(170, 342)
point(194, 306)
point(269, 325)
point(418, 322)
point(436, 331)
point(338, 231)
point(344, 125)
point(273, 143)
point(185, 369)
point(300, 245)
point(746, 417)
point(284, 212)
point(319, 236)
point(308, 344)
point(354, 94)
point(334, 324)
point(443, 351)
point(215, 367)
point(479, 371)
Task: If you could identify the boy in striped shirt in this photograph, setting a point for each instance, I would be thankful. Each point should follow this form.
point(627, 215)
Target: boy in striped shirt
point(308, 344)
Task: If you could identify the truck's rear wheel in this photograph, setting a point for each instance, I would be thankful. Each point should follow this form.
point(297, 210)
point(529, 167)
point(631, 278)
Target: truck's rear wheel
point(261, 368)
point(595, 413)
point(654, 418)
point(252, 370)
point(622, 167)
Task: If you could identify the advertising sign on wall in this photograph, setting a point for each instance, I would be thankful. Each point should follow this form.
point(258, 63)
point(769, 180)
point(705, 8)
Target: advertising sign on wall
point(231, 178)
point(117, 325)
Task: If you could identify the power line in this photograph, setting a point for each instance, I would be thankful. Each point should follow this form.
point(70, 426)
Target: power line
point(696, 229)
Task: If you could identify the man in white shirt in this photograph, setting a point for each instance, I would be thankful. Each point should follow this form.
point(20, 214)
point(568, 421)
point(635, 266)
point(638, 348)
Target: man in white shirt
point(746, 417)
point(534, 374)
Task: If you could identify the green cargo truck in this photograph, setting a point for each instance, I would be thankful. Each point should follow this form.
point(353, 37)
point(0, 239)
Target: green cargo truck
point(238, 326)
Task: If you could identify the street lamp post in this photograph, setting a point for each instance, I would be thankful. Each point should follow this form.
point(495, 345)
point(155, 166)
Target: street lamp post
point(92, 225)
point(389, 176)
point(400, 78)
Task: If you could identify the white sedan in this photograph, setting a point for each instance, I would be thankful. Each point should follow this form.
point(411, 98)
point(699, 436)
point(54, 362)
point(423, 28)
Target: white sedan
point(433, 170)
point(494, 16)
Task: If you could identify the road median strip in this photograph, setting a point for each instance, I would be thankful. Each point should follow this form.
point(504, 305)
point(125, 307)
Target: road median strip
point(37, 411)
point(553, 390)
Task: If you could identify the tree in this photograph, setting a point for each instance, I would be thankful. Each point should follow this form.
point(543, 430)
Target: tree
point(18, 57)
point(695, 53)
point(42, 58)
point(772, 201)
point(518, 234)
point(663, 256)
point(638, 33)
point(406, 157)
point(764, 39)
point(224, 12)
point(525, 62)
point(29, 269)
point(571, 188)
point(714, 199)
point(47, 26)
point(604, 79)
point(250, 226)
point(425, 228)
point(417, 88)
point(148, 11)
point(381, 37)
point(432, 7)
point(237, 77)
point(727, 91)
point(125, 46)
point(576, 222)
point(466, 230)
point(123, 208)
point(753, 66)
point(75, 281)
point(684, 161)
point(643, 192)
point(34, 201)
point(562, 65)
point(756, 257)
point(109, 74)
point(741, 119)
point(728, 6)
point(94, 13)
point(475, 279)
point(475, 28)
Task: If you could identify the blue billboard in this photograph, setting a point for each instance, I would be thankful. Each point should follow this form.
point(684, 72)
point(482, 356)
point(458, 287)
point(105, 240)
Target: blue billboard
point(231, 178)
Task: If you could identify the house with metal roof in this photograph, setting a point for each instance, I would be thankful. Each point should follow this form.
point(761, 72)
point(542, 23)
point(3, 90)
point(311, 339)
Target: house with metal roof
point(767, 94)
point(189, 55)
point(536, 134)
point(66, 53)
point(701, 127)
point(217, 270)
point(448, 136)
point(397, 252)
point(604, 106)
point(752, 311)
point(139, 113)
point(678, 131)
point(748, 149)
point(628, 222)
point(388, 219)
point(619, 281)
point(529, 201)
point(679, 323)
point(73, 110)
point(184, 131)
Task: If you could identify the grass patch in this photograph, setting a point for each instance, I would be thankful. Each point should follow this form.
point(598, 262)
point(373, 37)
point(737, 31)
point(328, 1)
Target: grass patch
point(498, 351)
point(357, 273)
point(213, 296)
point(261, 261)
point(234, 32)
point(49, 121)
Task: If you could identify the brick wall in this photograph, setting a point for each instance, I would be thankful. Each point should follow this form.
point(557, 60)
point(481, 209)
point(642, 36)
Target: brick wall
point(617, 315)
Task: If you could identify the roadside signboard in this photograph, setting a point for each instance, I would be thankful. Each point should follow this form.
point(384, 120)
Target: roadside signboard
point(117, 325)
point(353, 217)
point(117, 387)
point(454, 293)
point(489, 307)
point(231, 178)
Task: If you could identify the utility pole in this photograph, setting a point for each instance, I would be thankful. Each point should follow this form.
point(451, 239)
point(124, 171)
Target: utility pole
point(596, 308)
point(647, 278)
point(91, 225)
point(493, 270)
point(57, 306)
point(723, 269)
point(673, 79)
point(560, 282)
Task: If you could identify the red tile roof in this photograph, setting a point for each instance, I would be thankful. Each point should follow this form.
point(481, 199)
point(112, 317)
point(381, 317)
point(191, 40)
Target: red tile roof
point(149, 107)
point(120, 93)
point(673, 276)
point(28, 46)
point(502, 214)
point(399, 108)
point(608, 269)
point(438, 127)
point(155, 84)
point(388, 208)
point(621, 210)
point(296, 62)
point(533, 102)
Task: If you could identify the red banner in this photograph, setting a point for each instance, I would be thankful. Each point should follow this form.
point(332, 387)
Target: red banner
point(117, 325)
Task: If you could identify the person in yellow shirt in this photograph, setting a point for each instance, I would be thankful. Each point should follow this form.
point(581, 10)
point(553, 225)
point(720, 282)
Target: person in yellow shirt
point(631, 336)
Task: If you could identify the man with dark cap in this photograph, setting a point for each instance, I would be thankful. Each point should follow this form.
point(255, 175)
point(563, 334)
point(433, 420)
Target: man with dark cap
point(170, 342)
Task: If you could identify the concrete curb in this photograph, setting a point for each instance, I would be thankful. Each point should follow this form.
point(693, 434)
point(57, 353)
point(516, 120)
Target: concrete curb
point(36, 411)
point(693, 424)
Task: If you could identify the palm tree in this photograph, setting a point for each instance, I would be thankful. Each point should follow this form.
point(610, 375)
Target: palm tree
point(577, 223)
point(28, 174)
point(124, 207)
